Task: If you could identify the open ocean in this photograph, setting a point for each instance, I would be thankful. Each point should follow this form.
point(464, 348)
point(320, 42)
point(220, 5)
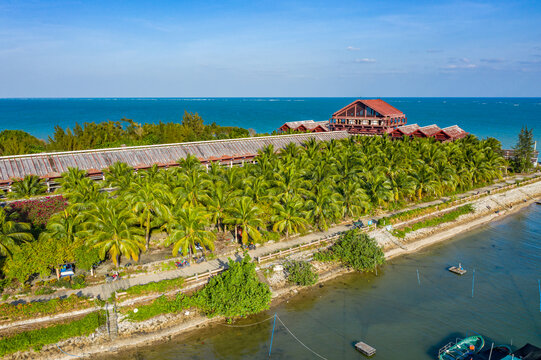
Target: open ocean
point(497, 117)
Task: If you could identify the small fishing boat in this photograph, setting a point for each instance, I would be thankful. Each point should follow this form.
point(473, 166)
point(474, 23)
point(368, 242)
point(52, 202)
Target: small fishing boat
point(461, 349)
point(459, 270)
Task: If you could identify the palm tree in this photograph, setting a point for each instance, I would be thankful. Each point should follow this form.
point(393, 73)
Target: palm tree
point(30, 186)
point(289, 216)
point(71, 179)
point(245, 214)
point(111, 228)
point(120, 176)
point(12, 233)
point(62, 230)
point(323, 206)
point(84, 191)
point(376, 186)
point(188, 230)
point(354, 199)
point(147, 201)
point(217, 201)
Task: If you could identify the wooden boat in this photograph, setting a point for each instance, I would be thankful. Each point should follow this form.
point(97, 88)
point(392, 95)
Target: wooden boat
point(462, 349)
point(457, 270)
point(365, 348)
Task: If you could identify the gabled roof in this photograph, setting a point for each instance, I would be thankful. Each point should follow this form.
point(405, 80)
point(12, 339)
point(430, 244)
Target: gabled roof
point(429, 130)
point(407, 129)
point(454, 132)
point(377, 105)
point(53, 164)
point(296, 124)
point(315, 124)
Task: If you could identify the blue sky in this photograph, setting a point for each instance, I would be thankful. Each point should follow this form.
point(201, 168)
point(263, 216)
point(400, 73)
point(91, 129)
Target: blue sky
point(269, 48)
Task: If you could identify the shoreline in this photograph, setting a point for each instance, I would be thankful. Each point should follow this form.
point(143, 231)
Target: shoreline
point(415, 241)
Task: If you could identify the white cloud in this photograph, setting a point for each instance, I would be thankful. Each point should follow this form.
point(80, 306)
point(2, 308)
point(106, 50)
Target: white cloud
point(351, 48)
point(365, 61)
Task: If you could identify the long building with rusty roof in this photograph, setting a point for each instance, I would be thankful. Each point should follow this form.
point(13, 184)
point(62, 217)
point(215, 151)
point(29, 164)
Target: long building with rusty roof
point(229, 151)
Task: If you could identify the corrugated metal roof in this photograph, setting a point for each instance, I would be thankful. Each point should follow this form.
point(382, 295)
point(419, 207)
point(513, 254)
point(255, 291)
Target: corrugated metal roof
point(52, 164)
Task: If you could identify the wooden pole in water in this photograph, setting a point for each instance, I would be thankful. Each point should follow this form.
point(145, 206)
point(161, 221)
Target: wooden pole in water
point(473, 283)
point(272, 336)
point(539, 284)
point(492, 347)
point(418, 278)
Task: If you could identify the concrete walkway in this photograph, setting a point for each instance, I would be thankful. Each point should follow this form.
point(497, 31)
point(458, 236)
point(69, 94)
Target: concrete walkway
point(104, 291)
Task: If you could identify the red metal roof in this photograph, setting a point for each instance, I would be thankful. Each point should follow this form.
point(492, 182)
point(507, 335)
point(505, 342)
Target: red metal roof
point(378, 105)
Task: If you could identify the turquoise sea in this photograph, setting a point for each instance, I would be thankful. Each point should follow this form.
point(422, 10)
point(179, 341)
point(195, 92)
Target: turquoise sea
point(498, 117)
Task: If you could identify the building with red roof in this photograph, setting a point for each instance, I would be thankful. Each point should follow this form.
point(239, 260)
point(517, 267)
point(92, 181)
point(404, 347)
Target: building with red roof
point(369, 116)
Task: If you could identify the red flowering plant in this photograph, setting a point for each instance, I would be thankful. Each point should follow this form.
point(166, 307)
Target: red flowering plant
point(38, 211)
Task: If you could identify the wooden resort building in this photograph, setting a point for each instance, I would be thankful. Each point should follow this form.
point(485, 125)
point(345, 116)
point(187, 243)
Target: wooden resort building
point(367, 117)
point(227, 152)
point(305, 126)
point(450, 133)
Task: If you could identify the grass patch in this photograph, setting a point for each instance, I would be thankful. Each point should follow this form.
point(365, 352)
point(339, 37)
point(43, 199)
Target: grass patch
point(36, 339)
point(159, 286)
point(450, 216)
point(35, 309)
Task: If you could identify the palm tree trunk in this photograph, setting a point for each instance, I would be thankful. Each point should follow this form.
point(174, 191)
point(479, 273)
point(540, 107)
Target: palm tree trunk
point(147, 235)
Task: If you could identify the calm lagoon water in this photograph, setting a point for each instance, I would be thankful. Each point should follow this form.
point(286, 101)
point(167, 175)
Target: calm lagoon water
point(497, 117)
point(392, 312)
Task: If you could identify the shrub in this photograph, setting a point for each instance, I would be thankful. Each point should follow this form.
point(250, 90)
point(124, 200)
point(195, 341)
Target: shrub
point(38, 211)
point(36, 339)
point(160, 286)
point(355, 249)
point(325, 256)
point(235, 292)
point(301, 273)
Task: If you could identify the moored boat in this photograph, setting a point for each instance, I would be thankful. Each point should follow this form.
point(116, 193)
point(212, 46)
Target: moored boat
point(461, 349)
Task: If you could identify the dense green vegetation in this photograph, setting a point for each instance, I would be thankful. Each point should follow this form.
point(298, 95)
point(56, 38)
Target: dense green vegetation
point(36, 339)
point(116, 133)
point(524, 150)
point(301, 273)
point(355, 249)
point(292, 191)
point(286, 192)
point(447, 217)
point(14, 142)
point(235, 292)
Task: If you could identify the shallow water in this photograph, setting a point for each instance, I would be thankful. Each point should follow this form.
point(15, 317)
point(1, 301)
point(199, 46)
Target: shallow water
point(392, 312)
